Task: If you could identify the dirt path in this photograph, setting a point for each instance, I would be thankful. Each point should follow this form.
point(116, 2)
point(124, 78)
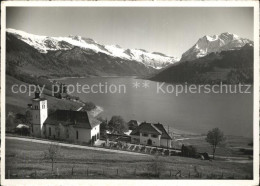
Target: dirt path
point(74, 146)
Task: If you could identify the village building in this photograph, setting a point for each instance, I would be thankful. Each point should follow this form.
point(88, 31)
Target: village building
point(151, 134)
point(68, 125)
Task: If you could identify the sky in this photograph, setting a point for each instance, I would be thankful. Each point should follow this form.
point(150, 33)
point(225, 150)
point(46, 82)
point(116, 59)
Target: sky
point(169, 30)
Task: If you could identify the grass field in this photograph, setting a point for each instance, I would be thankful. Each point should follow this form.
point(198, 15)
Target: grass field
point(230, 148)
point(25, 160)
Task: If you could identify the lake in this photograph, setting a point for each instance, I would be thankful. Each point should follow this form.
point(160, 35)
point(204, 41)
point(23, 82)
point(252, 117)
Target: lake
point(192, 112)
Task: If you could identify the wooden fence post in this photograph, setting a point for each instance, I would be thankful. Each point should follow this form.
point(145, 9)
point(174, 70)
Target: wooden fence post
point(58, 172)
point(72, 171)
point(189, 174)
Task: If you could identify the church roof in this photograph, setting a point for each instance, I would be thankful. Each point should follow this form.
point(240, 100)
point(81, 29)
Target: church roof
point(78, 119)
point(149, 128)
point(39, 99)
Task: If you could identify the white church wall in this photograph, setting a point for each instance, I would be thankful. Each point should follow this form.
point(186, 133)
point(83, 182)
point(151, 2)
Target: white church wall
point(95, 131)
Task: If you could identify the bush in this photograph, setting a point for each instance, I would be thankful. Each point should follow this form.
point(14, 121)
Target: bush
point(154, 151)
point(166, 152)
point(173, 153)
point(189, 151)
point(142, 149)
point(137, 148)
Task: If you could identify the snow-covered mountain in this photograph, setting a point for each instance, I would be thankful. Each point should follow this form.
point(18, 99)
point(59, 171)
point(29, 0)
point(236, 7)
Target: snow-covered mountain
point(216, 43)
point(44, 44)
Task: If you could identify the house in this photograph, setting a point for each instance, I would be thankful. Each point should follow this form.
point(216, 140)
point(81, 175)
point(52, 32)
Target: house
point(151, 134)
point(68, 125)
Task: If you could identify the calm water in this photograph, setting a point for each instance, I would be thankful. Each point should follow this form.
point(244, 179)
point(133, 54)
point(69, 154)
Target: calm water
point(197, 113)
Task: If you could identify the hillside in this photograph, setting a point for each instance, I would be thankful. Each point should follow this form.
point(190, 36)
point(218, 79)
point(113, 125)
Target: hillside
point(17, 103)
point(231, 67)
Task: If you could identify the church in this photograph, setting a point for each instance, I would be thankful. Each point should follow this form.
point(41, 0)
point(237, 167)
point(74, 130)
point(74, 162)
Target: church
point(67, 125)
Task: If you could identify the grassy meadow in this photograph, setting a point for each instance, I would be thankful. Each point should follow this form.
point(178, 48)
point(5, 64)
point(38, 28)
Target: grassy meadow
point(26, 160)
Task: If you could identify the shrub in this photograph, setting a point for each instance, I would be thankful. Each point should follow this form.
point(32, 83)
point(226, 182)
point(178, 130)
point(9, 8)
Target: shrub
point(142, 149)
point(166, 152)
point(154, 150)
point(137, 148)
point(189, 151)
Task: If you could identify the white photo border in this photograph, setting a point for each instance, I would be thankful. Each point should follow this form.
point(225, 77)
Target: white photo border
point(94, 182)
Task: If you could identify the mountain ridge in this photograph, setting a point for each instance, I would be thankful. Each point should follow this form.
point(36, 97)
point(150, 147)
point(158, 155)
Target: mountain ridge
point(216, 43)
point(230, 67)
point(78, 62)
point(44, 44)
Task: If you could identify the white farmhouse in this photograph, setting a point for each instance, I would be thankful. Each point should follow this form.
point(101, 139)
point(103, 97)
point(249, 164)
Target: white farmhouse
point(68, 125)
point(151, 134)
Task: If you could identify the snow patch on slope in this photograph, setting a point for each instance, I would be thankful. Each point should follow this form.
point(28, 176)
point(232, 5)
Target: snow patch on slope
point(44, 44)
point(215, 43)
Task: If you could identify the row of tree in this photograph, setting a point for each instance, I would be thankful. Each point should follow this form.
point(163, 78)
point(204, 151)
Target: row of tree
point(116, 125)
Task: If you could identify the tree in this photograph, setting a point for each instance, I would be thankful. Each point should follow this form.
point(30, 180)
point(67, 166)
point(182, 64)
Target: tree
point(28, 117)
point(52, 153)
point(103, 127)
point(10, 121)
point(117, 125)
point(215, 137)
point(132, 125)
point(88, 106)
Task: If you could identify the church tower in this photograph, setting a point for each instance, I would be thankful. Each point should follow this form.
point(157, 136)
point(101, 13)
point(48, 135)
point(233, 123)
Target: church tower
point(39, 112)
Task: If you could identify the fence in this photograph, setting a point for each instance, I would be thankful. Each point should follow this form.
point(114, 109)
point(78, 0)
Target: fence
point(122, 173)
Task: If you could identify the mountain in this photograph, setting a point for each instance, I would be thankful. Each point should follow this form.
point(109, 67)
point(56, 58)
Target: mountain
point(231, 67)
point(22, 58)
point(216, 43)
point(45, 44)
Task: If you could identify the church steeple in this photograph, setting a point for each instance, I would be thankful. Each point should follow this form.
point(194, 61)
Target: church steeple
point(37, 94)
point(39, 114)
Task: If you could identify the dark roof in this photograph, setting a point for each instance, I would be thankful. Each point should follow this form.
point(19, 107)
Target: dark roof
point(39, 99)
point(79, 119)
point(146, 128)
point(149, 128)
point(165, 134)
point(135, 132)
